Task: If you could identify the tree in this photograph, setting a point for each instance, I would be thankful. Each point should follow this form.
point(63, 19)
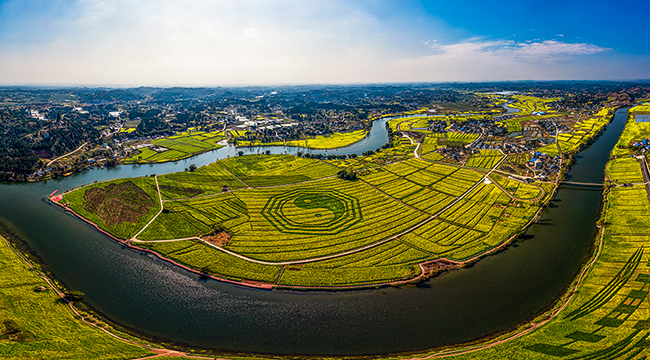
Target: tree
point(347, 175)
point(192, 168)
point(268, 152)
point(240, 153)
point(74, 296)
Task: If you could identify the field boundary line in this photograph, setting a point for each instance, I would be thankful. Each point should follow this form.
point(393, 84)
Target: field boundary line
point(394, 198)
point(159, 211)
point(233, 175)
point(250, 188)
point(470, 190)
point(541, 196)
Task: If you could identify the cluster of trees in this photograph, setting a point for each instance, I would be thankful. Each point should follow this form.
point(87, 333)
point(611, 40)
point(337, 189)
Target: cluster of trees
point(61, 140)
point(16, 156)
point(347, 175)
point(326, 157)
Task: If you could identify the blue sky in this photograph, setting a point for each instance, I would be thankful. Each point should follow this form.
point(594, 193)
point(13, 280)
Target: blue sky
point(242, 42)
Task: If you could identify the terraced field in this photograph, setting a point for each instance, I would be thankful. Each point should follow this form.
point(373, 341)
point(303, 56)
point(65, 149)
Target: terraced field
point(289, 221)
point(625, 170)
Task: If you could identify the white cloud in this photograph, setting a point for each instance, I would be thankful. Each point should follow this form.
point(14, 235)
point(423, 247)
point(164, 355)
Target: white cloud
point(200, 42)
point(225, 42)
point(512, 50)
point(478, 59)
point(551, 49)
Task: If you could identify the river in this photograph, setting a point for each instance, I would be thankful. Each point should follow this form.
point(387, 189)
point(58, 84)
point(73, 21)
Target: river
point(153, 297)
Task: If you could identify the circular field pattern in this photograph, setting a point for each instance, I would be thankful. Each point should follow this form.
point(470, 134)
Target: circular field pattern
point(312, 212)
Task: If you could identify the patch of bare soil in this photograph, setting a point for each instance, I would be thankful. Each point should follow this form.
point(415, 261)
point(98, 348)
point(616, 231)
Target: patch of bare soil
point(435, 267)
point(221, 238)
point(118, 203)
point(43, 154)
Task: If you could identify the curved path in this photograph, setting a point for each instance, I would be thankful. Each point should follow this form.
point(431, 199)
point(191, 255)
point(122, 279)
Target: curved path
point(159, 211)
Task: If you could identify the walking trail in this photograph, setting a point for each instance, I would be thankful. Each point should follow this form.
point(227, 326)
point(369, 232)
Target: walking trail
point(68, 154)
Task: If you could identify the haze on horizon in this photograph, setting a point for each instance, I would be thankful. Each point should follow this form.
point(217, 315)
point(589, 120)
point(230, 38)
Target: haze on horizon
point(254, 42)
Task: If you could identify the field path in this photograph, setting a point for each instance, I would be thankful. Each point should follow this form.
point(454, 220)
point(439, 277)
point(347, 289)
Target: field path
point(646, 177)
point(415, 152)
point(516, 198)
point(238, 179)
point(159, 212)
point(70, 153)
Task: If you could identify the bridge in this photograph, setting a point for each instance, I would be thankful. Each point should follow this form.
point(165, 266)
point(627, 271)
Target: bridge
point(580, 183)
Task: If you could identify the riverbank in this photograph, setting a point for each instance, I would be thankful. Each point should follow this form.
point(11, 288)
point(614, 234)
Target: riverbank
point(37, 322)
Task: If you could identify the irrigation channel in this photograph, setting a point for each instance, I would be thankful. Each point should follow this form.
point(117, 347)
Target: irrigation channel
point(156, 298)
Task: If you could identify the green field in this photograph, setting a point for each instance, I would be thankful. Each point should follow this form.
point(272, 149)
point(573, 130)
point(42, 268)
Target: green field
point(528, 104)
point(625, 170)
point(285, 214)
point(121, 206)
point(270, 170)
point(634, 131)
point(486, 159)
point(332, 141)
point(607, 318)
point(178, 147)
point(581, 133)
point(38, 325)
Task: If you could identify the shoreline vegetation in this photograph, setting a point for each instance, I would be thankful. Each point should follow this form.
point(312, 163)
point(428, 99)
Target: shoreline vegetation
point(36, 306)
point(189, 144)
point(177, 147)
point(330, 142)
point(34, 309)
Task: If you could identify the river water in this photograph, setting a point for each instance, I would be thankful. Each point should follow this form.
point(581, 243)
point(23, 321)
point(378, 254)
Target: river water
point(153, 297)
